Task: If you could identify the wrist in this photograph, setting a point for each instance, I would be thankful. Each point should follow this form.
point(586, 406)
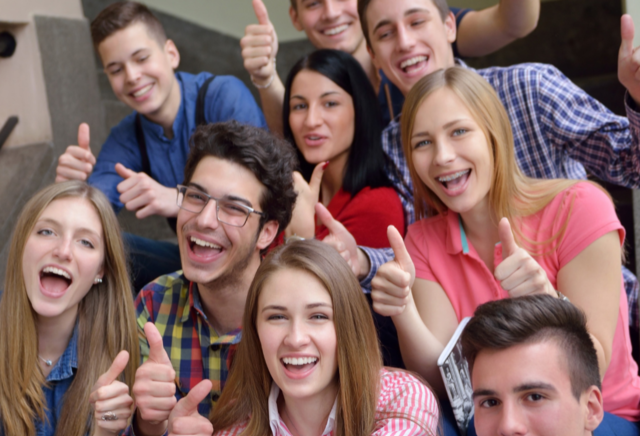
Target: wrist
point(365, 265)
point(144, 428)
point(266, 83)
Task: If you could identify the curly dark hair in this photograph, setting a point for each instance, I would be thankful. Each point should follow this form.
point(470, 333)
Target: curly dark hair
point(270, 159)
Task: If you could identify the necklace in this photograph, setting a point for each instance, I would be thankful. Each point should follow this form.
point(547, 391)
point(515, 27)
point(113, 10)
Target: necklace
point(46, 362)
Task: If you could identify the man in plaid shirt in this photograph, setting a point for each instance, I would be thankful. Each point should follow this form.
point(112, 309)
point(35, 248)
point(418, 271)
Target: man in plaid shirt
point(237, 194)
point(559, 130)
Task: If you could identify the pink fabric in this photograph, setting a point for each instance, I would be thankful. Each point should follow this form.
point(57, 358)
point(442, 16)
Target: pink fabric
point(403, 402)
point(436, 247)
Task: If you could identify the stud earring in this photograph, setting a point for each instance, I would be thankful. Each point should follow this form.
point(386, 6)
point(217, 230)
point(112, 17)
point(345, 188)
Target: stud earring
point(97, 281)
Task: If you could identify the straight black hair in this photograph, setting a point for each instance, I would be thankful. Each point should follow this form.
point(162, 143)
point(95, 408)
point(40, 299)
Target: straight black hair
point(365, 165)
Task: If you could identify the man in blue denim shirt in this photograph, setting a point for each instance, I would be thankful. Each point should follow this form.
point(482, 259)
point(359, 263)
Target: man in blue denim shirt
point(143, 158)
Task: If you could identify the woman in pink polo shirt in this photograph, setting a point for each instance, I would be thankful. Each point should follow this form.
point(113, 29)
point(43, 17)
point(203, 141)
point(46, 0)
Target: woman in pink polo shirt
point(489, 232)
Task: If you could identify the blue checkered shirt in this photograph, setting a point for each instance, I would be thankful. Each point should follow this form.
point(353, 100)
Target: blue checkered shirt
point(559, 132)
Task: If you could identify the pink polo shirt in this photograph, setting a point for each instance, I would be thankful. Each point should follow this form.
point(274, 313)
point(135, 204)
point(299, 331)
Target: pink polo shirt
point(441, 253)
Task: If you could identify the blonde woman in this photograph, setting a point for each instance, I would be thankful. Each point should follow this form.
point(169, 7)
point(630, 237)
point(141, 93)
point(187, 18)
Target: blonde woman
point(67, 323)
point(491, 233)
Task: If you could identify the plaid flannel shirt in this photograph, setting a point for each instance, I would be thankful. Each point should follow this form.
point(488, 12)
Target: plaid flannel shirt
point(196, 351)
point(559, 132)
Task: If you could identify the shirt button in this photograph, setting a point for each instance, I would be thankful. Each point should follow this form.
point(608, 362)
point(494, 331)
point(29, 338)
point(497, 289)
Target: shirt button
point(215, 397)
point(215, 347)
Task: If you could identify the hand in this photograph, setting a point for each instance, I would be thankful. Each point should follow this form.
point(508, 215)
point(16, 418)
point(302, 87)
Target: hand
point(391, 287)
point(185, 419)
point(629, 59)
point(111, 395)
point(155, 387)
point(147, 197)
point(77, 161)
point(343, 241)
point(260, 46)
point(519, 273)
point(303, 221)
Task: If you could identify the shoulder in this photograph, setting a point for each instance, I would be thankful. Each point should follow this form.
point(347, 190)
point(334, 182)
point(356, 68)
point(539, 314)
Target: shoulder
point(125, 128)
point(426, 227)
point(164, 289)
point(521, 75)
point(583, 195)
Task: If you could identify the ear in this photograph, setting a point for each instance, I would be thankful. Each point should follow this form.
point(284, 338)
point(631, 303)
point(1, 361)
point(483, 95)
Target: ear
point(172, 53)
point(450, 27)
point(594, 412)
point(267, 234)
point(294, 19)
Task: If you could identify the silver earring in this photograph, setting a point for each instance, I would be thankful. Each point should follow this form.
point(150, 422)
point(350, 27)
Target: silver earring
point(97, 281)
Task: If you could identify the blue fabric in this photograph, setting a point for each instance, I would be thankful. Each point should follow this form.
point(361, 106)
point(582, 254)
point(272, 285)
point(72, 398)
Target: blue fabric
point(150, 259)
point(58, 382)
point(611, 425)
point(227, 99)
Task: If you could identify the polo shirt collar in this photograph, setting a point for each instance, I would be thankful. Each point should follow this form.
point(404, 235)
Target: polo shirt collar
point(457, 241)
point(68, 362)
point(276, 422)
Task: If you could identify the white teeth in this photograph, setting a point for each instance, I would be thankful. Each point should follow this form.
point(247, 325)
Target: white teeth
point(336, 30)
point(202, 243)
point(57, 271)
point(299, 360)
point(453, 176)
point(143, 90)
point(413, 61)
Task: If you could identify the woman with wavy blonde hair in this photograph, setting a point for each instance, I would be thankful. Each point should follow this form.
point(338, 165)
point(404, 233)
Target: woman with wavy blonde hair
point(65, 315)
point(309, 357)
point(491, 233)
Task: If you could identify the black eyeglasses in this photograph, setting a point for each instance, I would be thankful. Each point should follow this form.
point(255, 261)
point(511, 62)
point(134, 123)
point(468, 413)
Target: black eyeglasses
point(229, 212)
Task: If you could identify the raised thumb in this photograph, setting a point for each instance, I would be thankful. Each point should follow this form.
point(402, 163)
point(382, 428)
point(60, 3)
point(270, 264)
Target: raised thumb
point(627, 31)
point(124, 172)
point(261, 12)
point(157, 352)
point(399, 249)
point(116, 368)
point(507, 240)
point(83, 136)
point(316, 178)
point(189, 405)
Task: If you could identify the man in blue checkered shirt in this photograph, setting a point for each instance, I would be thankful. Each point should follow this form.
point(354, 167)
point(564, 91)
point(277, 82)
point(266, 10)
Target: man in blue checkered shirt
point(559, 130)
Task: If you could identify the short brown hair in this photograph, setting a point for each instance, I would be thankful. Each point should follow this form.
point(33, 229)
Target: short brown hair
point(120, 15)
point(363, 5)
point(270, 159)
point(498, 325)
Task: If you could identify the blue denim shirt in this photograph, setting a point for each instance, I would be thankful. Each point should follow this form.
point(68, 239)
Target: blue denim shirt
point(58, 382)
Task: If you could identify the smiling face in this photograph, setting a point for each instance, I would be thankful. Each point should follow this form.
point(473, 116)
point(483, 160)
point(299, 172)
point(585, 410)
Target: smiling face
point(298, 336)
point(62, 257)
point(332, 24)
point(450, 152)
point(322, 117)
point(140, 70)
point(526, 390)
point(210, 250)
point(409, 39)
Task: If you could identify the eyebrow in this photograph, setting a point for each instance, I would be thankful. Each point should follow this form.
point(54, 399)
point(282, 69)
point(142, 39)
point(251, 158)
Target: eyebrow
point(308, 306)
point(406, 14)
point(132, 55)
point(520, 388)
point(322, 96)
point(225, 197)
point(446, 126)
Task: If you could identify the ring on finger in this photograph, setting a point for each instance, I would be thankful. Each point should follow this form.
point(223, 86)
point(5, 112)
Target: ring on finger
point(109, 416)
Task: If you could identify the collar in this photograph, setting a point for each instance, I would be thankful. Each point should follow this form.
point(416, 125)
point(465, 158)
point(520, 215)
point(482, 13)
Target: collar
point(68, 362)
point(190, 300)
point(456, 237)
point(278, 426)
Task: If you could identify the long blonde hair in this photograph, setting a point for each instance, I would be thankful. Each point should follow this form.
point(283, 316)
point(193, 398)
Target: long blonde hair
point(512, 194)
point(106, 322)
point(359, 361)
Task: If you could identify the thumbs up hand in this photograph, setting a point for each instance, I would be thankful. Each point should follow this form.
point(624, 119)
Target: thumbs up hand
point(154, 388)
point(629, 59)
point(303, 217)
point(519, 274)
point(146, 196)
point(110, 399)
point(391, 287)
point(260, 46)
point(185, 419)
point(77, 161)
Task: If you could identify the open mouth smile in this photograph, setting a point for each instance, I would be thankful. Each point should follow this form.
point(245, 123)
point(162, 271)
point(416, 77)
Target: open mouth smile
point(414, 63)
point(455, 182)
point(54, 281)
point(335, 30)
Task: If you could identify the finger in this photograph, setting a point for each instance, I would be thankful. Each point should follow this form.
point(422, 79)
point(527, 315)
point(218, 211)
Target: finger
point(124, 172)
point(83, 136)
point(256, 52)
point(257, 36)
point(392, 279)
point(116, 368)
point(509, 246)
point(157, 352)
point(63, 174)
point(119, 399)
point(627, 32)
point(399, 249)
point(261, 12)
point(316, 179)
point(327, 220)
point(75, 153)
point(386, 299)
point(189, 404)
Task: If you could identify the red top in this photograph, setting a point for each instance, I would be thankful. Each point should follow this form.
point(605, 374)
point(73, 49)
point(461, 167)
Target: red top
point(366, 215)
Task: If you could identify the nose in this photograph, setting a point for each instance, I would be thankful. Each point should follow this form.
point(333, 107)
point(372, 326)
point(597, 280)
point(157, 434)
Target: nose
point(313, 118)
point(63, 249)
point(297, 337)
point(445, 153)
point(208, 218)
point(331, 10)
point(132, 72)
point(512, 420)
point(406, 41)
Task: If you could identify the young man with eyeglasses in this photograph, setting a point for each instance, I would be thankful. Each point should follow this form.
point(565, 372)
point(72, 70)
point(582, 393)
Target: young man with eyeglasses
point(236, 196)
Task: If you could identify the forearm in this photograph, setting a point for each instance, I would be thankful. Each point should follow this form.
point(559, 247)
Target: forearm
point(272, 99)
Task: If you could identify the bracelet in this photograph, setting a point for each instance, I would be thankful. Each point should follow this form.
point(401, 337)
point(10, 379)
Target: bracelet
point(563, 297)
point(268, 84)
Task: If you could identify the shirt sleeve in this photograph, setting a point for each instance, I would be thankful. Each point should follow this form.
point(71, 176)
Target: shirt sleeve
point(229, 99)
point(144, 311)
point(377, 258)
point(459, 14)
point(407, 407)
point(418, 250)
point(606, 144)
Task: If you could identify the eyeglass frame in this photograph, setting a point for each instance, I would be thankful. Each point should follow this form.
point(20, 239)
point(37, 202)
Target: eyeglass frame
point(249, 209)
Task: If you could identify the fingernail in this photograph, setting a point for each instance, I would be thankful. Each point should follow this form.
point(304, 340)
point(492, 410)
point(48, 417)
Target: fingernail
point(325, 165)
